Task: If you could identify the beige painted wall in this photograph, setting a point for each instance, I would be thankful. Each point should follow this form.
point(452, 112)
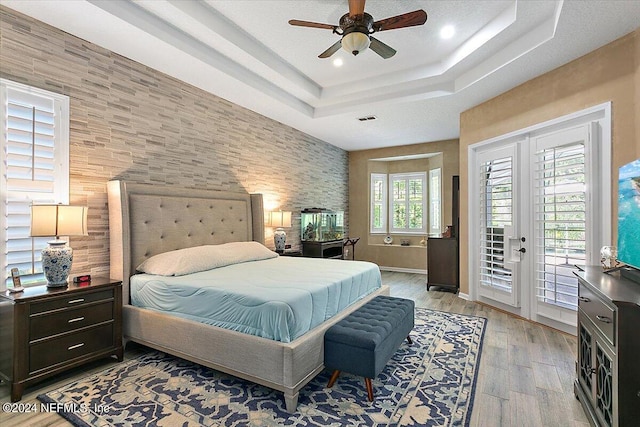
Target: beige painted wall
point(370, 247)
point(134, 123)
point(611, 73)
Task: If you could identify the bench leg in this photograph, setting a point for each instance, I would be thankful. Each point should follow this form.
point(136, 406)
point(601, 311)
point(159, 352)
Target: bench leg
point(333, 378)
point(409, 339)
point(367, 382)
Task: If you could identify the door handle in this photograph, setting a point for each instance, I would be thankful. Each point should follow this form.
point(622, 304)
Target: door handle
point(523, 250)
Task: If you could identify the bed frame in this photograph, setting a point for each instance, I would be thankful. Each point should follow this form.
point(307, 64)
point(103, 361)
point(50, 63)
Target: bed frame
point(145, 220)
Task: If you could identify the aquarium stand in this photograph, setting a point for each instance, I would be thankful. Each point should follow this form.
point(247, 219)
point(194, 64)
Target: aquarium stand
point(328, 249)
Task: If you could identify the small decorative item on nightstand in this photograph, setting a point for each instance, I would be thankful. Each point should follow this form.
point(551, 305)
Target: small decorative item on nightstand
point(280, 220)
point(58, 220)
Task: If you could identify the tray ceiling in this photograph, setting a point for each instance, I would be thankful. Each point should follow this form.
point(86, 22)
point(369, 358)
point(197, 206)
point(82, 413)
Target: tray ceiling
point(247, 53)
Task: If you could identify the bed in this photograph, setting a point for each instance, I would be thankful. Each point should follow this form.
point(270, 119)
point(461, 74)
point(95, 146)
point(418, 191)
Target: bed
point(146, 220)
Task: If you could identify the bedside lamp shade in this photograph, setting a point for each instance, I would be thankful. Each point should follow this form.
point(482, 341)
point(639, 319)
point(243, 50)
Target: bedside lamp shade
point(280, 220)
point(58, 220)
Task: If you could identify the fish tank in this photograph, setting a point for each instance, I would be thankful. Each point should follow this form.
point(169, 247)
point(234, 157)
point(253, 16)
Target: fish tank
point(321, 225)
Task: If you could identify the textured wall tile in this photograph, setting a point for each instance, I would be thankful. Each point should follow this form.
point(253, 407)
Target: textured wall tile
point(134, 123)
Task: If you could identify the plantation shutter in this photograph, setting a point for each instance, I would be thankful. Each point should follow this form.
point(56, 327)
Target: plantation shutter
point(496, 215)
point(378, 203)
point(561, 205)
point(35, 169)
point(408, 201)
point(435, 200)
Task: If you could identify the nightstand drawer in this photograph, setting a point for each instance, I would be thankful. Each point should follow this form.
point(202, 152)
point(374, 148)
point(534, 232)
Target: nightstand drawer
point(45, 325)
point(72, 300)
point(68, 347)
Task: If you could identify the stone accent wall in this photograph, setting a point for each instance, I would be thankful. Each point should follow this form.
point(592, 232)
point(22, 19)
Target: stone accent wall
point(134, 123)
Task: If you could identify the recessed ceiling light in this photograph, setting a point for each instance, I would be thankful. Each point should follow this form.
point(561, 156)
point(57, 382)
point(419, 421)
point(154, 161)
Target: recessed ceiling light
point(337, 62)
point(447, 32)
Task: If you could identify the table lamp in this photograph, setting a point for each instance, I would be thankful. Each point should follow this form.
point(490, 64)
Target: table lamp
point(280, 220)
point(58, 220)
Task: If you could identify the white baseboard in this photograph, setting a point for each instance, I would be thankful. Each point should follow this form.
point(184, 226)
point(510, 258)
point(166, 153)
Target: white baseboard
point(463, 296)
point(404, 270)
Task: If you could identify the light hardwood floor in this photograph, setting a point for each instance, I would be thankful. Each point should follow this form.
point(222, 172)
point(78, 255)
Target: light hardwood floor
point(525, 377)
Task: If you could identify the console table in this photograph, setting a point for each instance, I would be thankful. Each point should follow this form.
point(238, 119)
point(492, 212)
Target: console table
point(608, 367)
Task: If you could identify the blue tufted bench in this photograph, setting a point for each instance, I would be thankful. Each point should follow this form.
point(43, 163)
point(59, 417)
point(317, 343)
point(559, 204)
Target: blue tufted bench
point(363, 342)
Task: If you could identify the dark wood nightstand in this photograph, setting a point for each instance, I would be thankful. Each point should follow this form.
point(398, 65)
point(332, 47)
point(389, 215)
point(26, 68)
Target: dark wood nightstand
point(48, 330)
point(290, 253)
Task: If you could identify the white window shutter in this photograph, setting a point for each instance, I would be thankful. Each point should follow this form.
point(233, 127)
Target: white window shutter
point(35, 169)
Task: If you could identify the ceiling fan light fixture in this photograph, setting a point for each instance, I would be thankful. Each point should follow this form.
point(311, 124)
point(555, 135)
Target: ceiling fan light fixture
point(355, 42)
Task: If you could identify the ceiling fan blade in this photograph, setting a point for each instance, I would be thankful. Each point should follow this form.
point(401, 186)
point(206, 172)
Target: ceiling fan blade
point(356, 7)
point(299, 23)
point(410, 19)
point(333, 49)
point(381, 49)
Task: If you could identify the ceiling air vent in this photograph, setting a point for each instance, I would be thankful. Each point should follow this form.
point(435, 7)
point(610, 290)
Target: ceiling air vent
point(367, 118)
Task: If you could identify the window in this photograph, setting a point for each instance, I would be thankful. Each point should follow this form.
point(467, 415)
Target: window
point(378, 203)
point(35, 168)
point(407, 204)
point(435, 199)
point(400, 205)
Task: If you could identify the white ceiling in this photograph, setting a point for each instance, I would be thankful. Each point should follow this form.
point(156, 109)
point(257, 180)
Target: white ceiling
point(246, 52)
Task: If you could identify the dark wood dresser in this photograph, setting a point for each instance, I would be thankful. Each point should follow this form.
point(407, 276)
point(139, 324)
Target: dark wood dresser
point(608, 366)
point(442, 263)
point(45, 331)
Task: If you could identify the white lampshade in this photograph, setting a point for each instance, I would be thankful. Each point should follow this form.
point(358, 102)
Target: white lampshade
point(355, 42)
point(279, 219)
point(58, 220)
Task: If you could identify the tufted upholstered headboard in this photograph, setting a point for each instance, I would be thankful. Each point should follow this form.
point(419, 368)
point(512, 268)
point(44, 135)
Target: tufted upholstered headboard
point(145, 220)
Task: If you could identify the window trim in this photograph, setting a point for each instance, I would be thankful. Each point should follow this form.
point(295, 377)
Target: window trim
point(437, 227)
point(60, 193)
point(406, 176)
point(375, 177)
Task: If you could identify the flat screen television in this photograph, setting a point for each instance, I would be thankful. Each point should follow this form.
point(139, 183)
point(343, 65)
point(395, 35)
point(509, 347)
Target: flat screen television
point(629, 214)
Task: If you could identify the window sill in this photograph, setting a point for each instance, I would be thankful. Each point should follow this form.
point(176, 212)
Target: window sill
point(397, 245)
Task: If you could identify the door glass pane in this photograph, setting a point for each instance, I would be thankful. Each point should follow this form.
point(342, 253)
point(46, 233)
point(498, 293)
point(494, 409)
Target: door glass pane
point(496, 203)
point(561, 223)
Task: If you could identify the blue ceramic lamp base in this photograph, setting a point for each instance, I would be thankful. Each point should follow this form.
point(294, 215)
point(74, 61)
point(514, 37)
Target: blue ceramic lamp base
point(279, 239)
point(56, 263)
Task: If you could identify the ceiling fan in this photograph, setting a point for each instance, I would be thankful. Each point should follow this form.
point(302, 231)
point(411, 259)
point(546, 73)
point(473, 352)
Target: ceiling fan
point(357, 27)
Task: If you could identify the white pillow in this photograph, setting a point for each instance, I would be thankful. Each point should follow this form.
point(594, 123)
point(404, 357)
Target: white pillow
point(201, 258)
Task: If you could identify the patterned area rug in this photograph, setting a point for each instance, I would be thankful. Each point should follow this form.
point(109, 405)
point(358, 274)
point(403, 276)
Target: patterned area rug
point(428, 383)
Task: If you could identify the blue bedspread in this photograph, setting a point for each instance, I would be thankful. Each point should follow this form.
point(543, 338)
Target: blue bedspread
point(280, 298)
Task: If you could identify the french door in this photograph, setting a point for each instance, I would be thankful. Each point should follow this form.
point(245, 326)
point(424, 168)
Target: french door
point(536, 216)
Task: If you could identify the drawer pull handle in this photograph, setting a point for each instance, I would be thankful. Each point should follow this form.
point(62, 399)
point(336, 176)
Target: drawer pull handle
point(77, 319)
point(75, 301)
point(584, 299)
point(604, 319)
point(75, 346)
